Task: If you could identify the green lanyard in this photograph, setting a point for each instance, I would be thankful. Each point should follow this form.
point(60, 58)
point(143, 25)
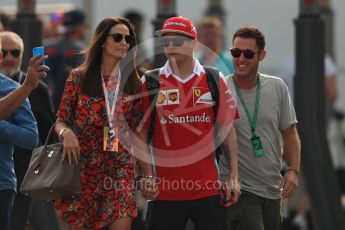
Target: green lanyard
point(252, 122)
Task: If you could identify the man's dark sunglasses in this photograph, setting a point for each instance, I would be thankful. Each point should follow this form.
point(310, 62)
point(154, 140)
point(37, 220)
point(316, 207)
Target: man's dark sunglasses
point(129, 39)
point(236, 53)
point(15, 53)
point(175, 41)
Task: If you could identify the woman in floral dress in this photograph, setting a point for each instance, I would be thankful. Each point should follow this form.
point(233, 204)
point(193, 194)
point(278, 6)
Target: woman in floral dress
point(98, 111)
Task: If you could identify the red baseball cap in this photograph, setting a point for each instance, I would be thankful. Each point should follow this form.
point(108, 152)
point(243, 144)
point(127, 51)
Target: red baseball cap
point(179, 25)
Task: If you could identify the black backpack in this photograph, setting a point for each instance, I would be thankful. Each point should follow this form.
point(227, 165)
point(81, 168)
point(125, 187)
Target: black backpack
point(212, 75)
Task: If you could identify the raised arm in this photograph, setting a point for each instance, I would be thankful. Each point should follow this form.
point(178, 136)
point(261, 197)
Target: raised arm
point(35, 71)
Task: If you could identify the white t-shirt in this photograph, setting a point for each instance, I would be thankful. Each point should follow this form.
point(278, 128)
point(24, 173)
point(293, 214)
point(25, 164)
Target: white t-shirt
point(288, 71)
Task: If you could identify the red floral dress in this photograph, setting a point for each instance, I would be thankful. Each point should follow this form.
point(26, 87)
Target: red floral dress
point(106, 177)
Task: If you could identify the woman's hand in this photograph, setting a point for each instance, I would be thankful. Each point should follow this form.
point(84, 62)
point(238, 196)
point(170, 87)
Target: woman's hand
point(148, 187)
point(71, 147)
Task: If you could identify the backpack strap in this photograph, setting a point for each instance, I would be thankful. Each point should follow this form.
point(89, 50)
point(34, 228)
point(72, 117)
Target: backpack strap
point(212, 75)
point(152, 82)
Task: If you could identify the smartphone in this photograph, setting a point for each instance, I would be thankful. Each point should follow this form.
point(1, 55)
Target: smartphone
point(38, 51)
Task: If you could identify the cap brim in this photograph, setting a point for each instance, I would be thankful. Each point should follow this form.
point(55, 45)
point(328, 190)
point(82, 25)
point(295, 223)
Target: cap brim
point(162, 32)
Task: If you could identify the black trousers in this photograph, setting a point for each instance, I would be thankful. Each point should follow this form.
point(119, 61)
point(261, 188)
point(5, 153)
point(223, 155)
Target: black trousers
point(206, 214)
point(20, 211)
point(6, 203)
point(22, 204)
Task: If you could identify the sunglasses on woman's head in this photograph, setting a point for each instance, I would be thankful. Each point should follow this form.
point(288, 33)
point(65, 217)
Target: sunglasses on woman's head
point(129, 39)
point(15, 53)
point(236, 53)
point(175, 41)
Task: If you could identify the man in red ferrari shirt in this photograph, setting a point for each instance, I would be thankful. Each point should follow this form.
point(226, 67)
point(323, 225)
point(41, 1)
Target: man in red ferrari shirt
point(182, 149)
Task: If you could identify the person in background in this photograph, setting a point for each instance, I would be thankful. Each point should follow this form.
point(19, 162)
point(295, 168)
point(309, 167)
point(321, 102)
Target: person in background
point(300, 202)
point(65, 54)
point(5, 22)
point(137, 19)
point(267, 116)
point(98, 112)
point(211, 51)
point(331, 91)
point(42, 108)
point(18, 128)
point(35, 71)
point(53, 28)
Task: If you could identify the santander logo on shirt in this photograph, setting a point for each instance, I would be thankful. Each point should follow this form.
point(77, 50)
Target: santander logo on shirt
point(172, 119)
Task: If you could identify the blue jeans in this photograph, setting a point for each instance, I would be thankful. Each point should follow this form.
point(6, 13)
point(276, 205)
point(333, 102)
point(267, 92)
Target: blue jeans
point(252, 212)
point(6, 204)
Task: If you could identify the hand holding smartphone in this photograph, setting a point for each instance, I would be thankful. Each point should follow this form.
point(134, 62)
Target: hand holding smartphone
point(37, 68)
point(38, 51)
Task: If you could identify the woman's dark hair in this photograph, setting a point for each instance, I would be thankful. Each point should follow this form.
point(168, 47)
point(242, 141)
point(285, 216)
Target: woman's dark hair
point(90, 69)
point(251, 32)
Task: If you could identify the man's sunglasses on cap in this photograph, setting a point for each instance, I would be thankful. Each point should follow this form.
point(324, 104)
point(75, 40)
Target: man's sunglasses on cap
point(129, 39)
point(236, 53)
point(175, 41)
point(15, 53)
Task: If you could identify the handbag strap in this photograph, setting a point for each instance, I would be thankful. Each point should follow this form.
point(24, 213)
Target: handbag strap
point(49, 134)
point(37, 167)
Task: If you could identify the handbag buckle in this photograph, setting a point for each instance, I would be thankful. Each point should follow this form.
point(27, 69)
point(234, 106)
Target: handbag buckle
point(37, 169)
point(51, 153)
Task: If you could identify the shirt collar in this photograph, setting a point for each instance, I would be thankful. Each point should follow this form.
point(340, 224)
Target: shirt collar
point(197, 70)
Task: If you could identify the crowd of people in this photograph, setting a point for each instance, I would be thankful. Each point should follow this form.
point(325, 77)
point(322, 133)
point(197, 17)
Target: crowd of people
point(202, 137)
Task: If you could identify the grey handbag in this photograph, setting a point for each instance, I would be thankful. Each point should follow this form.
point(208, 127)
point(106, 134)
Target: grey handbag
point(48, 177)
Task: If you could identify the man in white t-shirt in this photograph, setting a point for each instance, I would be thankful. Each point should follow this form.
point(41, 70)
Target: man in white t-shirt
point(288, 75)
